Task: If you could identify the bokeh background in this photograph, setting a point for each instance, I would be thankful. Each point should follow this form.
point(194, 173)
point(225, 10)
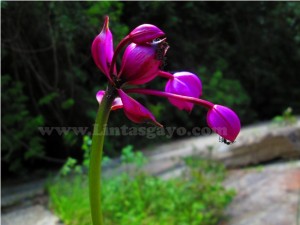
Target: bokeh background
point(247, 56)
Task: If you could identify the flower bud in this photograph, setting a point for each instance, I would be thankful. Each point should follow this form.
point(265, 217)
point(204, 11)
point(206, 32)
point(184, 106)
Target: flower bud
point(224, 122)
point(102, 48)
point(141, 63)
point(184, 83)
point(145, 33)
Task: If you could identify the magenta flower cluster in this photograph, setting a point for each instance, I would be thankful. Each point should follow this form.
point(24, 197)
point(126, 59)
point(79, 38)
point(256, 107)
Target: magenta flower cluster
point(142, 61)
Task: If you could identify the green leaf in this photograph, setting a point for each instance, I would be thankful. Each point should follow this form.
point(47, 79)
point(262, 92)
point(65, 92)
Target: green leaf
point(48, 98)
point(68, 103)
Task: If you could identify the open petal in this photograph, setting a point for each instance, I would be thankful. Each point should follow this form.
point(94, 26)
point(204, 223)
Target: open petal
point(117, 103)
point(139, 64)
point(187, 84)
point(135, 111)
point(224, 122)
point(102, 48)
point(145, 33)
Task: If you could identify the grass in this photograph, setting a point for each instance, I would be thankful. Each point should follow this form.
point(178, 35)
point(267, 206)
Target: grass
point(196, 198)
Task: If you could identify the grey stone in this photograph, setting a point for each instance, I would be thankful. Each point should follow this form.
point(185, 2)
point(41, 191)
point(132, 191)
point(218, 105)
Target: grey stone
point(14, 194)
point(265, 196)
point(32, 215)
point(261, 145)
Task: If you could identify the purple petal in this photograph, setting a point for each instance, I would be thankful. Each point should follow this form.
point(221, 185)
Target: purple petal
point(102, 48)
point(187, 84)
point(145, 33)
point(139, 64)
point(135, 111)
point(117, 103)
point(224, 122)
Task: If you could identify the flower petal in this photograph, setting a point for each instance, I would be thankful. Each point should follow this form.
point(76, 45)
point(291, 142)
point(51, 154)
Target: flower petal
point(139, 64)
point(135, 111)
point(187, 84)
point(102, 48)
point(145, 33)
point(224, 122)
point(117, 103)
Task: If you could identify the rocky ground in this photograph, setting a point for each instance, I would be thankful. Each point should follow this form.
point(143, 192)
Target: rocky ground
point(266, 194)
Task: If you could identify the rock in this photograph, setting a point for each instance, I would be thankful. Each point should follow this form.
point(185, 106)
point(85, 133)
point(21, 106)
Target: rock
point(265, 195)
point(32, 215)
point(257, 146)
point(14, 194)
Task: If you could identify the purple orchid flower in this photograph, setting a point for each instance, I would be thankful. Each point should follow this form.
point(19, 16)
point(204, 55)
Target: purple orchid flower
point(141, 63)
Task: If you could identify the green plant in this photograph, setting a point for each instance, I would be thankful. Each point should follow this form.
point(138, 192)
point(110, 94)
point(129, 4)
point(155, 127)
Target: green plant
point(128, 158)
point(69, 165)
point(287, 118)
point(21, 141)
point(132, 157)
point(72, 166)
point(193, 199)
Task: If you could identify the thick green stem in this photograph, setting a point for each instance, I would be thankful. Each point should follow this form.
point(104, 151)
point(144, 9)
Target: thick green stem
point(96, 156)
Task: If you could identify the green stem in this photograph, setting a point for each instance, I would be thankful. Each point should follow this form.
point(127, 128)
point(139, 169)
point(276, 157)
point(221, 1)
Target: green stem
point(96, 156)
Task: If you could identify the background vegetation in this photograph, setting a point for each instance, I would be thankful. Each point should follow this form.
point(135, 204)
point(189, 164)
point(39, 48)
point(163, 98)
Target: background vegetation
point(133, 197)
point(246, 54)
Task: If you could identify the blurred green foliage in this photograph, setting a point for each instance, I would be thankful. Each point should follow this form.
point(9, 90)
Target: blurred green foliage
point(198, 197)
point(129, 156)
point(246, 54)
point(20, 140)
point(286, 118)
point(230, 92)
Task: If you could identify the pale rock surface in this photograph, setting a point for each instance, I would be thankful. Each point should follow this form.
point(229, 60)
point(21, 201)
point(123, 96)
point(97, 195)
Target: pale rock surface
point(31, 215)
point(265, 195)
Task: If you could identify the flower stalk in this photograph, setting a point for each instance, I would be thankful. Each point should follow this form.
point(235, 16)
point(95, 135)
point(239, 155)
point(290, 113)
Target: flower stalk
point(96, 155)
point(165, 74)
point(198, 101)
